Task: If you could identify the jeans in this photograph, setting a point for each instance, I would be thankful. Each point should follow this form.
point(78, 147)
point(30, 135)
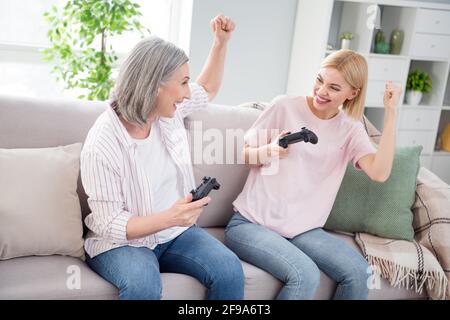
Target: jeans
point(297, 262)
point(136, 271)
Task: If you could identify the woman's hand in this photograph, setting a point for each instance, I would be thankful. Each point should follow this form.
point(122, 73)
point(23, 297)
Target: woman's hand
point(264, 154)
point(222, 26)
point(184, 212)
point(275, 150)
point(392, 95)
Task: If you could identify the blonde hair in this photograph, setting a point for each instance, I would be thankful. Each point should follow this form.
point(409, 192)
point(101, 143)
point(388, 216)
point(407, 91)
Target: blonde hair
point(353, 68)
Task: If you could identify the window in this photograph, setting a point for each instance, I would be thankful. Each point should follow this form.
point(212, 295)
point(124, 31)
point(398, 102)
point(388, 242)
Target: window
point(23, 32)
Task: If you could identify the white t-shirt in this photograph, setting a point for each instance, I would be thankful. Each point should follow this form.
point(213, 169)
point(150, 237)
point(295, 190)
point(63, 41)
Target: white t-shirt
point(165, 180)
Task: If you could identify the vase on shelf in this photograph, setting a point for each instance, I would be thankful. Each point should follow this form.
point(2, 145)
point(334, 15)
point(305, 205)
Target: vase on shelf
point(381, 46)
point(413, 98)
point(345, 43)
point(396, 42)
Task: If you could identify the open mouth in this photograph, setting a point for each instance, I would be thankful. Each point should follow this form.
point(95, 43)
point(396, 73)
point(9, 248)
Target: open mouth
point(320, 100)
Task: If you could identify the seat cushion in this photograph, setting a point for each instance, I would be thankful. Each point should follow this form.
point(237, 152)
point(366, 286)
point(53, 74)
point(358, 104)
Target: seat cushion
point(52, 277)
point(259, 285)
point(47, 277)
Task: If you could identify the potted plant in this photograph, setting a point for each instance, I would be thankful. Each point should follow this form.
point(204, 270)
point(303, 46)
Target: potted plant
point(418, 83)
point(79, 33)
point(346, 38)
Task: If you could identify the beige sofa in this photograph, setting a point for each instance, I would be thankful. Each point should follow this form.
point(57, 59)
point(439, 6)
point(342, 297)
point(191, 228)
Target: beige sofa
point(32, 123)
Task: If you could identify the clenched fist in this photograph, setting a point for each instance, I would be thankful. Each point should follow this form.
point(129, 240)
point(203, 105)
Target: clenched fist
point(222, 26)
point(392, 95)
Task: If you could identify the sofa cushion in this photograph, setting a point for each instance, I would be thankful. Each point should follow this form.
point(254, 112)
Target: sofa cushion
point(52, 277)
point(40, 211)
point(37, 123)
point(216, 141)
point(47, 278)
point(382, 209)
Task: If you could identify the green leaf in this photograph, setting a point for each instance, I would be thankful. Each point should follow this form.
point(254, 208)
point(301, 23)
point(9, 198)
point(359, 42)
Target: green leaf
point(74, 30)
point(419, 80)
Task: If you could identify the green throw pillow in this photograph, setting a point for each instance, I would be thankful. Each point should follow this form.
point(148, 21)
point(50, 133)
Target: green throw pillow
point(381, 209)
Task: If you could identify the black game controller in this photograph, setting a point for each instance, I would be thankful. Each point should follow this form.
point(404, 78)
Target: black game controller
point(205, 188)
point(303, 135)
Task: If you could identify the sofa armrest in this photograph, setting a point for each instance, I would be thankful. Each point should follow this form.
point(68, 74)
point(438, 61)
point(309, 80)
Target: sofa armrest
point(431, 217)
point(432, 203)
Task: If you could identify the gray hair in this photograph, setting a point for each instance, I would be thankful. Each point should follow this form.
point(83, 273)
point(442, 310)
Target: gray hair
point(151, 63)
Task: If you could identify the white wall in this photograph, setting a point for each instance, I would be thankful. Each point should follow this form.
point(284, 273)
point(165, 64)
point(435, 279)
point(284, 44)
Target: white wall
point(309, 44)
point(259, 51)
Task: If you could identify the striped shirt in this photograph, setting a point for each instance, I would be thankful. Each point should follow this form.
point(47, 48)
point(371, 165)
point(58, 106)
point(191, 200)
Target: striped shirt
point(117, 185)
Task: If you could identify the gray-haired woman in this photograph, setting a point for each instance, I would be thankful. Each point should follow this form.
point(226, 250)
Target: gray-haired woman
point(135, 168)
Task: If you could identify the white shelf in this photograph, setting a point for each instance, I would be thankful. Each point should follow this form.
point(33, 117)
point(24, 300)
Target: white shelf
point(375, 107)
point(417, 125)
point(433, 59)
point(421, 106)
point(405, 3)
point(387, 56)
point(376, 55)
point(438, 72)
point(441, 153)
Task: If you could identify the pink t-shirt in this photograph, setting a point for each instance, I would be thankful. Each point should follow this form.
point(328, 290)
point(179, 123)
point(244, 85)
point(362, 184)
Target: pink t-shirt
point(296, 194)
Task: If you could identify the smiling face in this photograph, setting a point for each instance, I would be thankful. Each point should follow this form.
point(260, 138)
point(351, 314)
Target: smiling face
point(172, 92)
point(330, 91)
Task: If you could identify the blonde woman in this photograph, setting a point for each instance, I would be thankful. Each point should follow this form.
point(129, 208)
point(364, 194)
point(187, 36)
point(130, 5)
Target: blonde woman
point(278, 218)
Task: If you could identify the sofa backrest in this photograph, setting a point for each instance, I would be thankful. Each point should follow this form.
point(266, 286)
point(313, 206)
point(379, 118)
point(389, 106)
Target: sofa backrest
point(216, 141)
point(38, 123)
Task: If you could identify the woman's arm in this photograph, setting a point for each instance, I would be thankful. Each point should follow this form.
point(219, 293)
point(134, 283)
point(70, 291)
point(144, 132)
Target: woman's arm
point(264, 154)
point(211, 76)
point(139, 227)
point(378, 166)
point(256, 156)
point(108, 219)
point(184, 213)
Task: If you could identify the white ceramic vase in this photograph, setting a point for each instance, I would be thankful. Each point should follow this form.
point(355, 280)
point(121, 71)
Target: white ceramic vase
point(345, 44)
point(413, 97)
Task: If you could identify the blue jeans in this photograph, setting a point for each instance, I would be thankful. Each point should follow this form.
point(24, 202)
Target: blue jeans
point(136, 271)
point(297, 261)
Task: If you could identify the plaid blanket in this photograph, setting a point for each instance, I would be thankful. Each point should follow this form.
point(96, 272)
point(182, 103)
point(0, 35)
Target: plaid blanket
point(424, 262)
